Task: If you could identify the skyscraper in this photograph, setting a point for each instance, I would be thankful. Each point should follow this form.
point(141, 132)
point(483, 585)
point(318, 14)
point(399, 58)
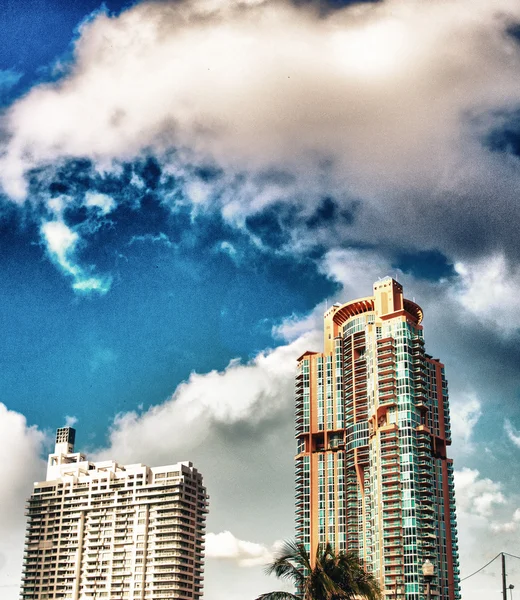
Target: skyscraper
point(103, 530)
point(372, 429)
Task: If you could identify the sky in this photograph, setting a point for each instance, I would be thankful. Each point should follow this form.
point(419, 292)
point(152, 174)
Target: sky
point(185, 186)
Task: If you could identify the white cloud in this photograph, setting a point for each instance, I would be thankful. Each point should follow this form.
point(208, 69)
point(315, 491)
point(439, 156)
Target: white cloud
point(21, 447)
point(508, 526)
point(233, 251)
point(91, 284)
point(70, 421)
point(252, 85)
point(477, 495)
point(484, 531)
point(357, 270)
point(512, 433)
point(278, 85)
point(161, 238)
point(336, 104)
point(489, 288)
point(293, 327)
point(225, 546)
point(62, 242)
point(252, 393)
point(465, 413)
point(229, 249)
point(104, 203)
point(58, 204)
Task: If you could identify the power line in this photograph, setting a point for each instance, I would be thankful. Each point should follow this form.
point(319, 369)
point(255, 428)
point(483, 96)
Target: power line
point(482, 568)
point(511, 555)
point(487, 564)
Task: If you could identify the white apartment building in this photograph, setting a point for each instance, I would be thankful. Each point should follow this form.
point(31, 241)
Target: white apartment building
point(104, 530)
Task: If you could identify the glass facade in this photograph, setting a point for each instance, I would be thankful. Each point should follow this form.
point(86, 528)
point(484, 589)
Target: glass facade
point(372, 471)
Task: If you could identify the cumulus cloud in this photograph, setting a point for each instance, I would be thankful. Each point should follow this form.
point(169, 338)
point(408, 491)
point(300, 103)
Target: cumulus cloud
point(489, 288)
point(21, 447)
point(256, 392)
point(465, 413)
point(508, 526)
point(294, 326)
point(62, 242)
point(225, 546)
point(205, 66)
point(381, 109)
point(385, 102)
point(477, 495)
point(357, 270)
point(485, 529)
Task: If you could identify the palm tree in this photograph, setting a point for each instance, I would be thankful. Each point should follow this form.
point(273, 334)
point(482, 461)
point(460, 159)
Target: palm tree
point(333, 577)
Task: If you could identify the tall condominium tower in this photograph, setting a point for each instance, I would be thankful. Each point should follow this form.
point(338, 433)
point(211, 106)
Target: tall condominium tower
point(372, 428)
point(104, 530)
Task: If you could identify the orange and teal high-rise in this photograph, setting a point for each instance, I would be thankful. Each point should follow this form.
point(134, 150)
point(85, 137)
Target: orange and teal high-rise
point(372, 430)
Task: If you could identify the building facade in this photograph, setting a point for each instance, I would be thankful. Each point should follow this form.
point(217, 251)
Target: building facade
point(372, 430)
point(103, 530)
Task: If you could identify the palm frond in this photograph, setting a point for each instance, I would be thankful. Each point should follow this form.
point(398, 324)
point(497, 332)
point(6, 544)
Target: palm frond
point(278, 596)
point(331, 576)
point(355, 579)
point(283, 569)
point(289, 563)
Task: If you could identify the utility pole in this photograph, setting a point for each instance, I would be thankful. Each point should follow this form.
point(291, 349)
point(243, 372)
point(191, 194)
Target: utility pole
point(504, 588)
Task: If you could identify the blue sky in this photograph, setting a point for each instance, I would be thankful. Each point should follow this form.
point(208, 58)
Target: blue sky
point(178, 302)
point(185, 186)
